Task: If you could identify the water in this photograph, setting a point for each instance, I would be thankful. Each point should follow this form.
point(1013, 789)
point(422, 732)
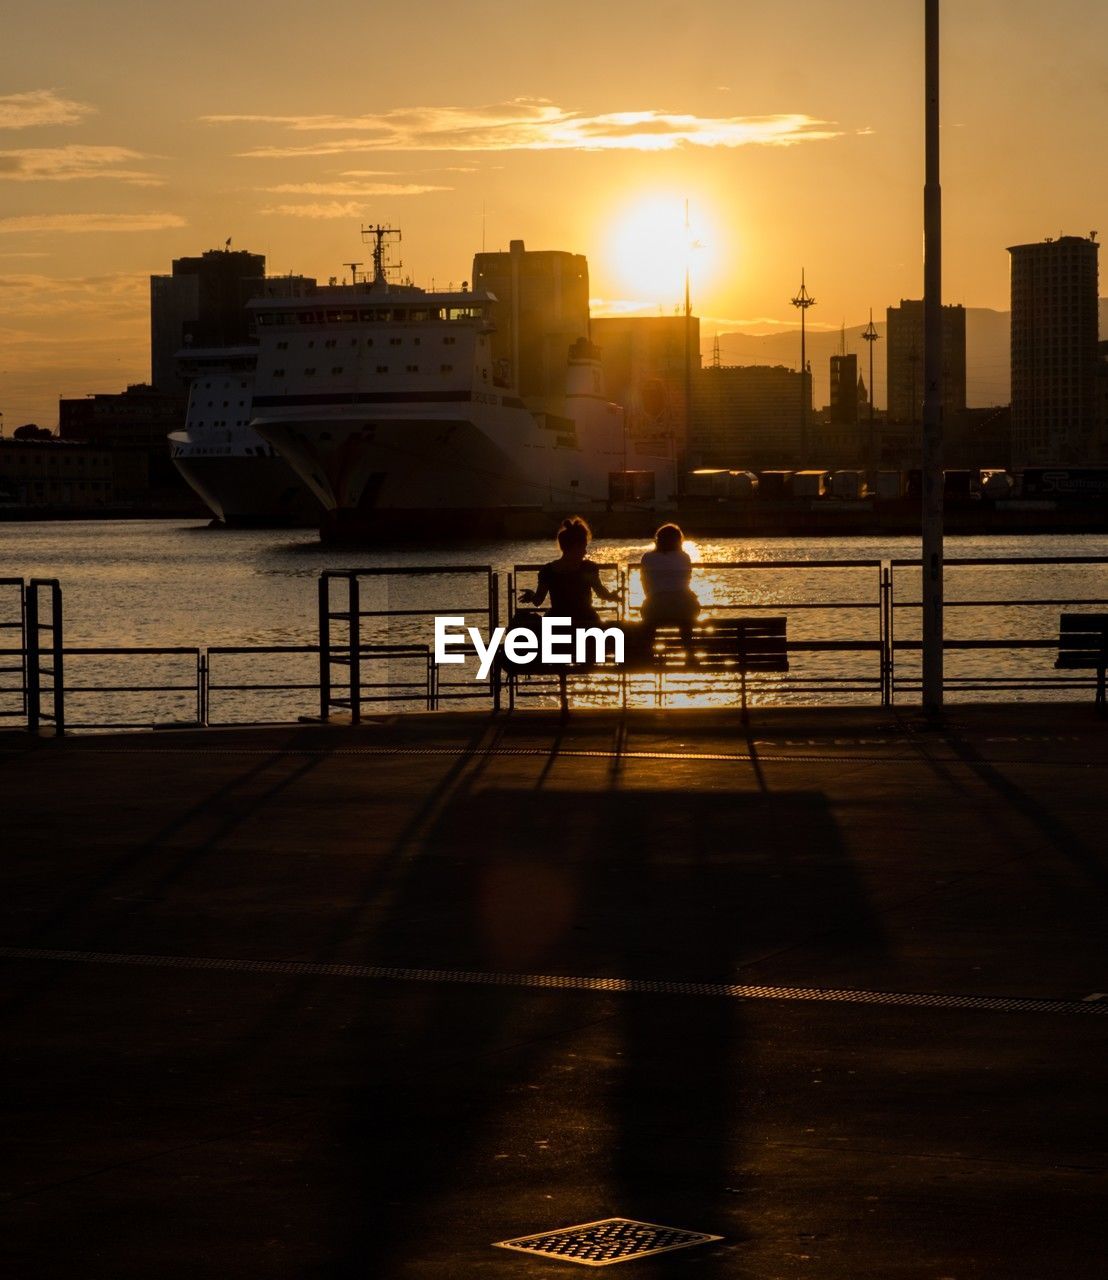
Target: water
point(163, 583)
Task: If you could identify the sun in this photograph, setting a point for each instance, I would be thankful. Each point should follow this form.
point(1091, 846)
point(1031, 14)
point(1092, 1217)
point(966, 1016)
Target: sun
point(650, 247)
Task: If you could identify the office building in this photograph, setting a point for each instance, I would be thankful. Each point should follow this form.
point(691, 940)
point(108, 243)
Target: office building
point(202, 303)
point(844, 390)
point(644, 359)
point(133, 425)
point(747, 416)
point(905, 362)
point(55, 473)
point(1054, 352)
point(542, 309)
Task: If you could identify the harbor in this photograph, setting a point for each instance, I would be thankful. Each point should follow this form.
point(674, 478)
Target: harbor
point(553, 667)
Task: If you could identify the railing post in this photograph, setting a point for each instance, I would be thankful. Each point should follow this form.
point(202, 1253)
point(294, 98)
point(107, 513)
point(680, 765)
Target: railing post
point(23, 639)
point(33, 676)
point(884, 594)
point(202, 675)
point(354, 598)
point(33, 647)
point(494, 622)
point(324, 646)
point(890, 629)
point(58, 637)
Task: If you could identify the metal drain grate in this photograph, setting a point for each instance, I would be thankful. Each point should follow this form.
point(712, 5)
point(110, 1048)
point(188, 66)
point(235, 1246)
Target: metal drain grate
point(600, 1244)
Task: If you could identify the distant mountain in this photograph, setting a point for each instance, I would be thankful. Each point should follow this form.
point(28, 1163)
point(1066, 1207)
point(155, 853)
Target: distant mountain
point(987, 354)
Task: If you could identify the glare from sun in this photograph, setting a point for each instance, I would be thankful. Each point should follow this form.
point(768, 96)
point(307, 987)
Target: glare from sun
point(650, 248)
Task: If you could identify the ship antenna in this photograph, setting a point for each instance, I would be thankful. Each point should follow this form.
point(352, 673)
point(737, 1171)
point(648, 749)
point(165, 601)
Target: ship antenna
point(378, 234)
point(353, 271)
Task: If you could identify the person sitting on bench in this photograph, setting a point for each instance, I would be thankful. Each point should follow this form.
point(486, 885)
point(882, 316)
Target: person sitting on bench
point(571, 580)
point(668, 598)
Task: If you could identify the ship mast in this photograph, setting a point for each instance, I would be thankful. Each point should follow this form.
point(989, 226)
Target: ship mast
point(378, 235)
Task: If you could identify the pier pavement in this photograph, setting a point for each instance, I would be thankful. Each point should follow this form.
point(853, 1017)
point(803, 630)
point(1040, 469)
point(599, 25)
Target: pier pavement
point(361, 1001)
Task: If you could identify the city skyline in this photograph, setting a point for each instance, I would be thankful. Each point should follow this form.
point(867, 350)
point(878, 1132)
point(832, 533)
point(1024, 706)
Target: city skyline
point(574, 135)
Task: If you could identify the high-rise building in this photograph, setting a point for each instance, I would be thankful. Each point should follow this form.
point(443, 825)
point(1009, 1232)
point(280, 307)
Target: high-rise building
point(747, 416)
point(203, 304)
point(1102, 401)
point(905, 362)
point(844, 390)
point(1054, 351)
point(644, 361)
point(542, 309)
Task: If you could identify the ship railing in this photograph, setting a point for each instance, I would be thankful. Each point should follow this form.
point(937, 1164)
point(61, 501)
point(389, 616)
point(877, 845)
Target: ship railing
point(1038, 604)
point(397, 627)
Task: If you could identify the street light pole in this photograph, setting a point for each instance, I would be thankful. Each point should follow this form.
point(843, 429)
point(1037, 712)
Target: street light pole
point(932, 513)
point(871, 335)
point(688, 355)
point(802, 302)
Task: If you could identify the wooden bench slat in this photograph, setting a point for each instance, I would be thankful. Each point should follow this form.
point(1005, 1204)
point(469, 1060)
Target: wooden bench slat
point(722, 646)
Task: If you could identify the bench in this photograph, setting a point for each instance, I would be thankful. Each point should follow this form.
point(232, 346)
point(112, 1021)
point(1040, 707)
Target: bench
point(723, 647)
point(1083, 646)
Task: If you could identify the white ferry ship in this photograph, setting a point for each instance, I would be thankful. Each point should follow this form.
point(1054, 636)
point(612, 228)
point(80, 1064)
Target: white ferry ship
point(404, 409)
point(239, 476)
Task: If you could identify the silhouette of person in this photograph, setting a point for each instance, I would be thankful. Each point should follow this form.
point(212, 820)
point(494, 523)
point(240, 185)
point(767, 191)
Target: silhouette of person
point(668, 598)
point(571, 581)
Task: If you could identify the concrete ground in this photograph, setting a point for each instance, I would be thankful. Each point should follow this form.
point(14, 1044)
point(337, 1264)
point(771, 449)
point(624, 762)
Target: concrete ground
point(406, 1083)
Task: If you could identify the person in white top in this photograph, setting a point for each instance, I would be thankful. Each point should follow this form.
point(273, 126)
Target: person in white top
point(669, 600)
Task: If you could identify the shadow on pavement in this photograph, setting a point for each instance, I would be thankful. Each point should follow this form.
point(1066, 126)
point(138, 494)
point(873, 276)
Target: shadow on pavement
point(579, 1107)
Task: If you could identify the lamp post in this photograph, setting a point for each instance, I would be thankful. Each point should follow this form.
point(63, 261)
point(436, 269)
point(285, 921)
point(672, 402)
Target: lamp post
point(802, 302)
point(871, 335)
point(932, 460)
point(679, 477)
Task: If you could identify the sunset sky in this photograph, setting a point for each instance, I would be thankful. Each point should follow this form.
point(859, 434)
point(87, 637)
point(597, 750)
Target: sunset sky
point(132, 132)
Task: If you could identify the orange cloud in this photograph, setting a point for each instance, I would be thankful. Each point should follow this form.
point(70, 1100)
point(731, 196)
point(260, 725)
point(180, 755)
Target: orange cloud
point(354, 189)
point(76, 222)
point(39, 107)
point(74, 162)
point(330, 209)
point(527, 124)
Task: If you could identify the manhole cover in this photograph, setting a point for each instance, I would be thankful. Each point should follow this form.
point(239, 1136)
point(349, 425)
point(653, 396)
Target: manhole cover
point(600, 1244)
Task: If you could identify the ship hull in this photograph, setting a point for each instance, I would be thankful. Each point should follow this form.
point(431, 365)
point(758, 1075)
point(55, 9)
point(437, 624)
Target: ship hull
point(250, 492)
point(422, 459)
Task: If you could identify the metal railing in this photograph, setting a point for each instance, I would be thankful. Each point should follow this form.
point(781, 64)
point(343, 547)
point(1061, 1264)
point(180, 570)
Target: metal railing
point(987, 611)
point(356, 650)
point(13, 695)
point(725, 588)
point(44, 623)
point(855, 636)
point(729, 594)
point(546, 685)
point(187, 688)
